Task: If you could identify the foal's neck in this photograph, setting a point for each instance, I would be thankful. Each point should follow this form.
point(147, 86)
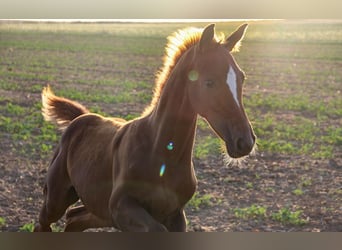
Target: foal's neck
point(173, 118)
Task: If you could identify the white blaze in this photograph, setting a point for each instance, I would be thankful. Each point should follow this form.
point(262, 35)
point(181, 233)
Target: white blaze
point(231, 82)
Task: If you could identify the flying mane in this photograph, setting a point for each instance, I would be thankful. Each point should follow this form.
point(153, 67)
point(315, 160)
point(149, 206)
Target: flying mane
point(178, 43)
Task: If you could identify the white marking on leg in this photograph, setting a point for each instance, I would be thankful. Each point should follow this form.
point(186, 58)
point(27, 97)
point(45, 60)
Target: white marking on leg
point(232, 84)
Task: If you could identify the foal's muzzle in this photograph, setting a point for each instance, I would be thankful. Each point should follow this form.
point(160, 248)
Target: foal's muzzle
point(241, 146)
point(245, 145)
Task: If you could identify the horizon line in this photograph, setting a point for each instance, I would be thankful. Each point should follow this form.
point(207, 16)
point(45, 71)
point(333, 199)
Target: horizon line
point(139, 20)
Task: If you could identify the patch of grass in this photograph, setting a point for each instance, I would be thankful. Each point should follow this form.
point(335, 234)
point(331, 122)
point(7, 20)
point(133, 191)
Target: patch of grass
point(285, 216)
point(324, 151)
point(56, 228)
point(14, 109)
point(2, 222)
point(249, 185)
point(333, 136)
point(24, 76)
point(206, 146)
point(9, 85)
point(36, 88)
point(270, 189)
point(30, 134)
point(131, 117)
point(298, 191)
point(202, 124)
point(296, 135)
point(305, 182)
point(99, 96)
point(198, 201)
point(28, 227)
point(252, 212)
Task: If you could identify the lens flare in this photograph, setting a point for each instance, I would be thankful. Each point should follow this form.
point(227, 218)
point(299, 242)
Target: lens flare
point(193, 75)
point(170, 146)
point(162, 170)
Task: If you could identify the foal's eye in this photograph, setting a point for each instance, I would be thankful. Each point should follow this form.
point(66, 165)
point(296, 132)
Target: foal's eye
point(209, 83)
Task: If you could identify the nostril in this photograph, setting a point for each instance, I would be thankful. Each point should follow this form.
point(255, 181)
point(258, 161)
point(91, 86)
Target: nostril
point(244, 146)
point(240, 144)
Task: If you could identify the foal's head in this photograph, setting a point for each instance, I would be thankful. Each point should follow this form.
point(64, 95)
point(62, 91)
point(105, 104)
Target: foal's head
point(215, 90)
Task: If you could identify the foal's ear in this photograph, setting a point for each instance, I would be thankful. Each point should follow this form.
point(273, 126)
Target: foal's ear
point(207, 37)
point(233, 41)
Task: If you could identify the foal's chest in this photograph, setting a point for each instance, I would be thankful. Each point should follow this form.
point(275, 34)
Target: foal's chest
point(169, 195)
point(161, 202)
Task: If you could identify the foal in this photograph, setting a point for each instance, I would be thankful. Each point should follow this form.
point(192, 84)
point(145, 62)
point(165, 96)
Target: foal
point(138, 175)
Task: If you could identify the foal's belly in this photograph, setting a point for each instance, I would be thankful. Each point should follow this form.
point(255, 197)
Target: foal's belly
point(93, 184)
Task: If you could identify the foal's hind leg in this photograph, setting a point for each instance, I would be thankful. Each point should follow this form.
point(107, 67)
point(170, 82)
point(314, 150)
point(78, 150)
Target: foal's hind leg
point(79, 219)
point(59, 195)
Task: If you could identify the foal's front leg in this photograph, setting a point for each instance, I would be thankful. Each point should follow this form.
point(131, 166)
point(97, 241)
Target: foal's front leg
point(129, 215)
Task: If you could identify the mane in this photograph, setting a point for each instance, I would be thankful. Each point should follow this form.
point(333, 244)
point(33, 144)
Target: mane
point(178, 44)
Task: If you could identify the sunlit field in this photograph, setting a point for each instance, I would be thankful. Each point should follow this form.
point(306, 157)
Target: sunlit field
point(292, 96)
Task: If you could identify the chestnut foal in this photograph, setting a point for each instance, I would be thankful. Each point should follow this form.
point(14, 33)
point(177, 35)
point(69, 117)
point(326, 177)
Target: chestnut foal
point(138, 175)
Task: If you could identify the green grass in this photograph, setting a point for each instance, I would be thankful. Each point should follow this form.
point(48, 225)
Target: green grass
point(197, 201)
point(306, 114)
point(252, 212)
point(284, 215)
point(29, 133)
point(2, 222)
point(298, 191)
point(304, 184)
point(208, 145)
point(249, 185)
point(28, 227)
point(296, 135)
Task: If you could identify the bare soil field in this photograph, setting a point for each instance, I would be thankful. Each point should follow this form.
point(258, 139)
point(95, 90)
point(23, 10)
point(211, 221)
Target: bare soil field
point(292, 96)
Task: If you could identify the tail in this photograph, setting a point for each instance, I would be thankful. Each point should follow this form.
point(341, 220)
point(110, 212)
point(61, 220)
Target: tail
point(59, 110)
